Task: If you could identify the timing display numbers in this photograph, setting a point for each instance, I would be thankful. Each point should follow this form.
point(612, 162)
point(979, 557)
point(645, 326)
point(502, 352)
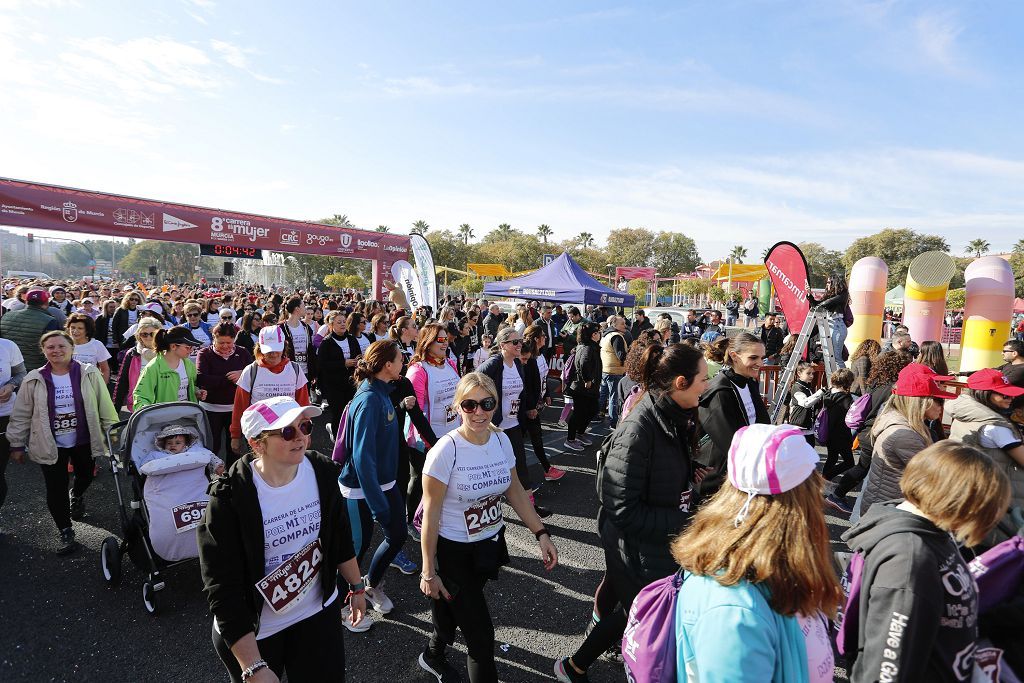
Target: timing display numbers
point(230, 251)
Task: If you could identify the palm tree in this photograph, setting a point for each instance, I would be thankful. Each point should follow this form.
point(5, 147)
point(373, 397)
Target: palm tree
point(738, 253)
point(977, 247)
point(764, 254)
point(1018, 248)
point(420, 227)
point(544, 231)
point(383, 228)
point(586, 240)
point(466, 232)
point(504, 231)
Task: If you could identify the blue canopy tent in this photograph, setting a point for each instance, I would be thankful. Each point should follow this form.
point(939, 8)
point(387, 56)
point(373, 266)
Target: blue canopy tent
point(561, 281)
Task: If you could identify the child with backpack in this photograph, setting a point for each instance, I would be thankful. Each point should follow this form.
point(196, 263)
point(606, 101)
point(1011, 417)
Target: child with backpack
point(839, 440)
point(749, 607)
point(804, 399)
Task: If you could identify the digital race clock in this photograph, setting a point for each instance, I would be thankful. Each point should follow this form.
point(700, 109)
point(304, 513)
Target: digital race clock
point(230, 251)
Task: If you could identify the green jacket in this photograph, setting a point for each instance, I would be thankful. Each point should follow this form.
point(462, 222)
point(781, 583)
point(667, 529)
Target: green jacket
point(159, 384)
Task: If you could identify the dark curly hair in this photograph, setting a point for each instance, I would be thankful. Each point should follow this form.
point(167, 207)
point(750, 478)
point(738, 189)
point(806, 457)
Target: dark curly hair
point(886, 368)
point(633, 365)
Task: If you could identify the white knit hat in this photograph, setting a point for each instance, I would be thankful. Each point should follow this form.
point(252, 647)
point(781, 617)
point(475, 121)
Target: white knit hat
point(767, 460)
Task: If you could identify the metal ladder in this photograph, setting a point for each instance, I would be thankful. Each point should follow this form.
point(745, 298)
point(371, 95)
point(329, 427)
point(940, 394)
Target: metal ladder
point(815, 318)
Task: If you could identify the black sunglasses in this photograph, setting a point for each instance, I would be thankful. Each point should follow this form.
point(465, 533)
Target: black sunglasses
point(515, 342)
point(470, 406)
point(290, 432)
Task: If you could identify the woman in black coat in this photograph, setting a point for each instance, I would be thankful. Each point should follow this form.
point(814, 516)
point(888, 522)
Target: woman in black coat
point(336, 358)
point(645, 490)
point(248, 335)
point(733, 400)
point(584, 385)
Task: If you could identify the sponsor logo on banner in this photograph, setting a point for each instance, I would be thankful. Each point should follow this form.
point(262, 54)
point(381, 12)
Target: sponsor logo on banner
point(130, 218)
point(316, 238)
point(291, 237)
point(604, 298)
point(16, 210)
point(346, 240)
point(394, 247)
point(404, 276)
point(367, 244)
point(70, 212)
point(226, 229)
point(172, 223)
point(788, 272)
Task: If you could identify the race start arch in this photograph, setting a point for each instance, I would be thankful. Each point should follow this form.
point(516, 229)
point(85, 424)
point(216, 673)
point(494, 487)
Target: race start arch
point(50, 207)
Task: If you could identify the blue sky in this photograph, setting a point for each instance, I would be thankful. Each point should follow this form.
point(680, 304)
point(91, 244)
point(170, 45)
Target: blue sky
point(733, 122)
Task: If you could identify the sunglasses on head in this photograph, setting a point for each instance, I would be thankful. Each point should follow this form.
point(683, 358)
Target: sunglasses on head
point(290, 432)
point(470, 406)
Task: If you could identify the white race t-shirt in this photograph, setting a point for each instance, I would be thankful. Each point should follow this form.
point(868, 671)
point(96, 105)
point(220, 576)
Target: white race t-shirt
point(65, 423)
point(202, 338)
point(476, 476)
point(820, 660)
point(542, 366)
point(133, 316)
point(10, 355)
point(182, 382)
point(441, 383)
point(748, 404)
point(511, 387)
point(300, 343)
point(269, 385)
point(364, 343)
point(291, 522)
point(111, 344)
point(92, 352)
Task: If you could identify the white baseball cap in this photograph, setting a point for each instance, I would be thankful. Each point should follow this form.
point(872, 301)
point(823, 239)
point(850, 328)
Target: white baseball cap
point(274, 413)
point(225, 311)
point(271, 339)
point(769, 459)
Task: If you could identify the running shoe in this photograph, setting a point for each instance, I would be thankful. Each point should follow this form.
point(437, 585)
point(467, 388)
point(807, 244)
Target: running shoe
point(613, 654)
point(565, 673)
point(403, 563)
point(553, 474)
point(379, 600)
point(584, 440)
point(66, 541)
point(562, 424)
point(362, 627)
point(574, 445)
point(439, 667)
point(77, 508)
point(414, 533)
point(542, 511)
point(837, 503)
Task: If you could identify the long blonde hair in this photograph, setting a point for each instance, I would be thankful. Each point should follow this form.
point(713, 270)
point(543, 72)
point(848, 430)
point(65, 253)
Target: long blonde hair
point(913, 408)
point(783, 543)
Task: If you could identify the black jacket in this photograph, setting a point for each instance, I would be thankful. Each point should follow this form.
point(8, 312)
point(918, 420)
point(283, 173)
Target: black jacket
point(531, 385)
point(838, 404)
point(644, 486)
point(337, 386)
point(102, 329)
point(587, 369)
point(244, 340)
point(494, 367)
point(918, 602)
point(121, 324)
point(721, 415)
point(772, 338)
point(231, 552)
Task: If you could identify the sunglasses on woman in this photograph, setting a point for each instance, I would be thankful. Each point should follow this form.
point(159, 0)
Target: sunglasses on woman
point(470, 406)
point(441, 340)
point(290, 432)
point(514, 342)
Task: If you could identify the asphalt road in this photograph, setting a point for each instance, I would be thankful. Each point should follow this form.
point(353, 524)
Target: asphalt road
point(62, 623)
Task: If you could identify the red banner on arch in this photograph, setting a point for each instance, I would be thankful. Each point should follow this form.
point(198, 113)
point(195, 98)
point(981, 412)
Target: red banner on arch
point(788, 270)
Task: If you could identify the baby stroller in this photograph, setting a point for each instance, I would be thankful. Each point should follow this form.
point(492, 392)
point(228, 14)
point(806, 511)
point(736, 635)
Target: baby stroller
point(136, 435)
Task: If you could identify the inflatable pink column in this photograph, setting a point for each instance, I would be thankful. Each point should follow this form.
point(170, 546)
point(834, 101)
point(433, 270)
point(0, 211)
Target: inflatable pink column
point(868, 279)
point(924, 303)
point(990, 290)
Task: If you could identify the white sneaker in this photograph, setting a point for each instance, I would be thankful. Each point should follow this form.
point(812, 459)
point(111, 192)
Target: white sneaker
point(362, 627)
point(378, 600)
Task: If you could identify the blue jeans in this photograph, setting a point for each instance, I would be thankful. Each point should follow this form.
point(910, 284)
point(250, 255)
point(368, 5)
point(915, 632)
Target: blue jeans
point(839, 331)
point(395, 533)
point(609, 387)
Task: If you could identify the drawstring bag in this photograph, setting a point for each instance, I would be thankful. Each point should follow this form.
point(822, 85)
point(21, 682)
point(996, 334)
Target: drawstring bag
point(649, 641)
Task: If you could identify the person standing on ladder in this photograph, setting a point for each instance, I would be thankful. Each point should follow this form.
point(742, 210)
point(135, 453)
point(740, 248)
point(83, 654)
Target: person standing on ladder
point(835, 302)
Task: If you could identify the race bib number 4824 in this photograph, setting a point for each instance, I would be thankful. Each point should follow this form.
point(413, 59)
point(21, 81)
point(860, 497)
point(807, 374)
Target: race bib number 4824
point(287, 585)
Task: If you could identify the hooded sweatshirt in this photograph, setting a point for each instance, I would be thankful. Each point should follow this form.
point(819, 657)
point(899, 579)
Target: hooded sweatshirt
point(918, 601)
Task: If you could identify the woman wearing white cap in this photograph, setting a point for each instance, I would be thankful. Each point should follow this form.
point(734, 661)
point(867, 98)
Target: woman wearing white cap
point(273, 540)
point(270, 375)
point(758, 581)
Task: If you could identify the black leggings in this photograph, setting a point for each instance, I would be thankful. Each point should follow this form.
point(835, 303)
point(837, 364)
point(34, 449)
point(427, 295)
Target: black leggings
point(619, 585)
point(532, 428)
point(839, 460)
point(515, 436)
point(56, 477)
point(855, 475)
point(410, 478)
point(395, 533)
point(5, 456)
point(310, 651)
point(467, 610)
point(584, 408)
point(220, 425)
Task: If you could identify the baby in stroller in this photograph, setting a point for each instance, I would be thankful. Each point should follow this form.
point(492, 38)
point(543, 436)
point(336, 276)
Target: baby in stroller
point(177, 473)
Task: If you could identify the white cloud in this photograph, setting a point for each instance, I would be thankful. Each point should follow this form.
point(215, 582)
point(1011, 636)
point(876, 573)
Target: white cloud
point(937, 34)
point(238, 57)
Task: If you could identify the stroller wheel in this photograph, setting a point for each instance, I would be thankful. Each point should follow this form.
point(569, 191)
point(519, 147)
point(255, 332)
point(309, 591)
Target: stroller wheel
point(110, 560)
point(149, 599)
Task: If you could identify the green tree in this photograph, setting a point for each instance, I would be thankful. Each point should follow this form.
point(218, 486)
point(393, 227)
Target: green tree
point(449, 249)
point(335, 281)
point(717, 294)
point(629, 246)
point(821, 262)
point(639, 288)
point(674, 253)
point(897, 247)
point(420, 227)
point(76, 255)
point(544, 232)
point(586, 240)
point(977, 247)
point(382, 228)
point(738, 253)
point(172, 260)
point(519, 252)
point(502, 232)
point(339, 219)
point(466, 233)
point(956, 298)
point(1018, 247)
point(470, 285)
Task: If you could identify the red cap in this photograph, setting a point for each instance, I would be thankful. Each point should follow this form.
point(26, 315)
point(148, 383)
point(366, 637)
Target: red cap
point(37, 296)
point(921, 381)
point(991, 379)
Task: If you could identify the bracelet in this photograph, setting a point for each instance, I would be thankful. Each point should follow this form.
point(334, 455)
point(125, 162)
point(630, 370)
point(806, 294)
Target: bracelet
point(253, 668)
point(356, 587)
point(541, 532)
point(352, 593)
point(428, 579)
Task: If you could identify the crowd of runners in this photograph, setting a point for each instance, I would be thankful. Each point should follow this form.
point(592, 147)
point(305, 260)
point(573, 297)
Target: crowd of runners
point(434, 417)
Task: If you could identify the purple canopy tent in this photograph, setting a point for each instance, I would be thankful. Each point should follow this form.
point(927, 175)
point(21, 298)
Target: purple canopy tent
point(561, 281)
